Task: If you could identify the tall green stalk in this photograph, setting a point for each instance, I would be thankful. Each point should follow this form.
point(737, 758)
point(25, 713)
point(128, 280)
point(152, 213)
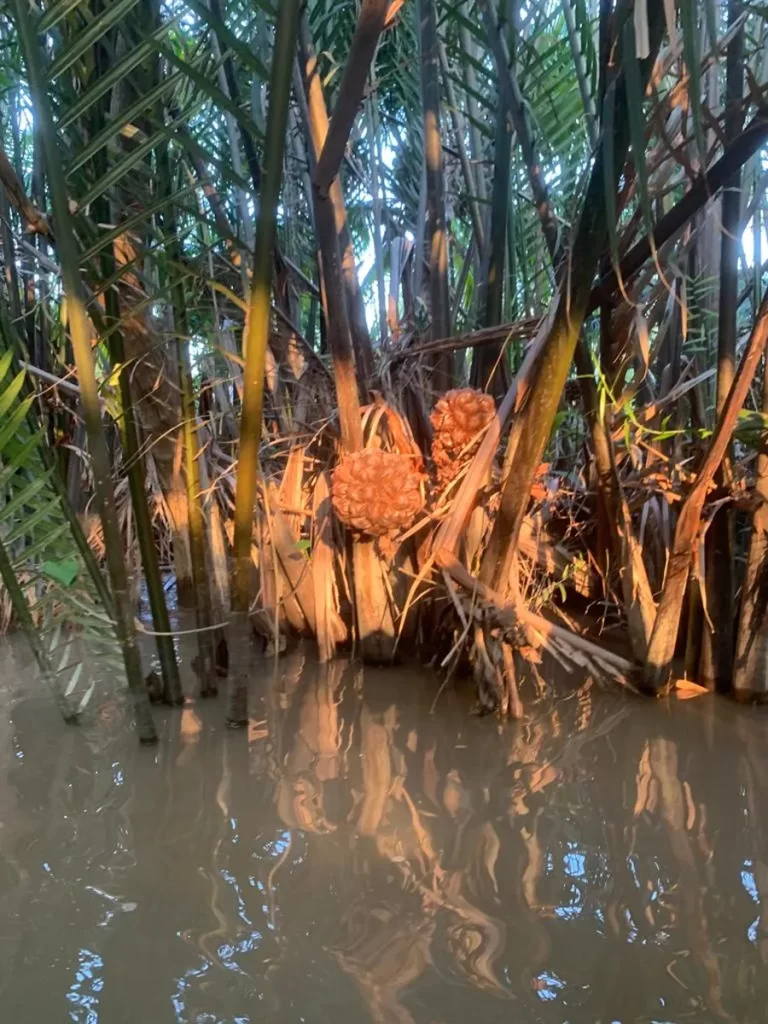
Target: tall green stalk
point(255, 339)
point(81, 344)
point(203, 617)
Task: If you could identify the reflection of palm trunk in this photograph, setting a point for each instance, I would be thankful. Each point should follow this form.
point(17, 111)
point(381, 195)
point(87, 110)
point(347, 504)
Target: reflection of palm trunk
point(623, 899)
point(535, 951)
point(475, 939)
point(664, 768)
point(314, 758)
point(377, 773)
point(534, 868)
point(387, 943)
point(387, 951)
point(319, 721)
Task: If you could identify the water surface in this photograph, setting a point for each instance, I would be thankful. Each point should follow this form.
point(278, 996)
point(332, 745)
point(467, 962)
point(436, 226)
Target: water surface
point(355, 856)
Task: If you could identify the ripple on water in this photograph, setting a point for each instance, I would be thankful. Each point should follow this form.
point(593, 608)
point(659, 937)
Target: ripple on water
point(352, 856)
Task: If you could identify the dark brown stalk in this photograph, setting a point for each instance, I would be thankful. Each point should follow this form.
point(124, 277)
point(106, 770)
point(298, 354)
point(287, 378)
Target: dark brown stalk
point(8, 249)
point(718, 646)
point(370, 25)
point(517, 331)
point(375, 624)
point(459, 132)
point(337, 325)
point(315, 115)
point(639, 605)
point(470, 48)
point(17, 196)
point(609, 365)
point(486, 358)
point(150, 365)
point(532, 427)
point(750, 671)
point(514, 104)
point(494, 293)
point(605, 45)
point(518, 113)
point(437, 238)
point(689, 525)
point(42, 346)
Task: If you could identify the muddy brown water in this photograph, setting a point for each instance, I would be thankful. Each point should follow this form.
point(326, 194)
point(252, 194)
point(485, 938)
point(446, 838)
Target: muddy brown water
point(356, 856)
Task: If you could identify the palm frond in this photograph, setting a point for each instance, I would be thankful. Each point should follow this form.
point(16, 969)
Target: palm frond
point(60, 599)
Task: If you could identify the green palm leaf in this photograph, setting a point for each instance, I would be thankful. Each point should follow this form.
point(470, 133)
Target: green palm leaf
point(39, 555)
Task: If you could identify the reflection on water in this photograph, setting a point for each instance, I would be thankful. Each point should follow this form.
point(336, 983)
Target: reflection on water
point(355, 857)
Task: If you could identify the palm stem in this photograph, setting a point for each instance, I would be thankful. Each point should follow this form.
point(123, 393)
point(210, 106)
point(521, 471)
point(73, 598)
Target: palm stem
point(80, 334)
point(255, 342)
